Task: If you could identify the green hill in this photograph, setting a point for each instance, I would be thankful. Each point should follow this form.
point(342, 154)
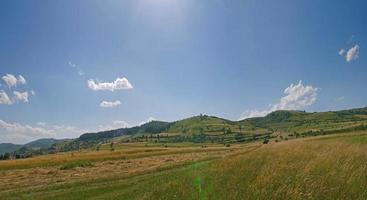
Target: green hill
point(8, 147)
point(40, 146)
point(204, 128)
point(42, 143)
point(303, 122)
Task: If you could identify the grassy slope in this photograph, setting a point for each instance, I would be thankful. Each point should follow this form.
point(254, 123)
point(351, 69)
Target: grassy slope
point(331, 167)
point(297, 121)
point(205, 128)
point(211, 125)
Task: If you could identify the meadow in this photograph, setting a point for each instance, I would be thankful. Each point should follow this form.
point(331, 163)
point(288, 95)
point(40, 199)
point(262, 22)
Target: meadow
point(322, 167)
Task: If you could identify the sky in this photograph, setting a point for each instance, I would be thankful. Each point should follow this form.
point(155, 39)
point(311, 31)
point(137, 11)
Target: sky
point(73, 66)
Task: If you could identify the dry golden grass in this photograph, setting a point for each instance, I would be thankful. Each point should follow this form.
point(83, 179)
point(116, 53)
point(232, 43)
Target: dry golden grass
point(125, 151)
point(326, 167)
point(129, 160)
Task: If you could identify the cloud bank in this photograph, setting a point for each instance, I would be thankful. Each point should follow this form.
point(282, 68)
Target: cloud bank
point(296, 97)
point(22, 133)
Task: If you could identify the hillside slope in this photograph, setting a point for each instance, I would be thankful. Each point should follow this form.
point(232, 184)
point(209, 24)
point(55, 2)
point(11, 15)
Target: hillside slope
point(213, 129)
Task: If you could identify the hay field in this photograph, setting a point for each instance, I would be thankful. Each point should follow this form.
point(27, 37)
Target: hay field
point(324, 167)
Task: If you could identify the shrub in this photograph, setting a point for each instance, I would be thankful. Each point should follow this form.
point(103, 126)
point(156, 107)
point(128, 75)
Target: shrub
point(74, 164)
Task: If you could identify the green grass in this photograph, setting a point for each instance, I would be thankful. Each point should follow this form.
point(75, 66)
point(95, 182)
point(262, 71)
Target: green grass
point(331, 167)
point(74, 164)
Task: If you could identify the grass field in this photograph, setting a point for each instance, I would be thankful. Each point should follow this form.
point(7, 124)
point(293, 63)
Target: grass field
point(323, 167)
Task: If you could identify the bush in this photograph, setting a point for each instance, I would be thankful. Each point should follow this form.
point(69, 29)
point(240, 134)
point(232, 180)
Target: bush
point(74, 164)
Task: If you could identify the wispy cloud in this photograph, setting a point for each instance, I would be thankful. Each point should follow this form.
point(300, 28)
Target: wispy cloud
point(118, 84)
point(73, 65)
point(297, 96)
point(109, 104)
point(341, 98)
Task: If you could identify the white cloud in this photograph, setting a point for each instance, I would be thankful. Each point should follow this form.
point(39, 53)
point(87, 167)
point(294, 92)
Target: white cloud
point(352, 53)
point(22, 80)
point(21, 96)
point(254, 113)
point(4, 98)
point(11, 80)
point(115, 125)
point(147, 121)
point(109, 104)
point(341, 52)
point(22, 133)
point(67, 131)
point(118, 84)
point(296, 97)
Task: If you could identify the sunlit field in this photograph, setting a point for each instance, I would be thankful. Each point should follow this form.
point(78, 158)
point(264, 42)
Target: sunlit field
point(323, 167)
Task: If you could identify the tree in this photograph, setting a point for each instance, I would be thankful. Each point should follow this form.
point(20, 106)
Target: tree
point(111, 147)
point(6, 156)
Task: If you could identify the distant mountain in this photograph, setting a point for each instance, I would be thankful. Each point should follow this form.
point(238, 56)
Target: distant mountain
point(91, 139)
point(34, 145)
point(8, 147)
point(42, 143)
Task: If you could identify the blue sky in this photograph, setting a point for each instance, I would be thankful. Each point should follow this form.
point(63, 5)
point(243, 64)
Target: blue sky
point(233, 59)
